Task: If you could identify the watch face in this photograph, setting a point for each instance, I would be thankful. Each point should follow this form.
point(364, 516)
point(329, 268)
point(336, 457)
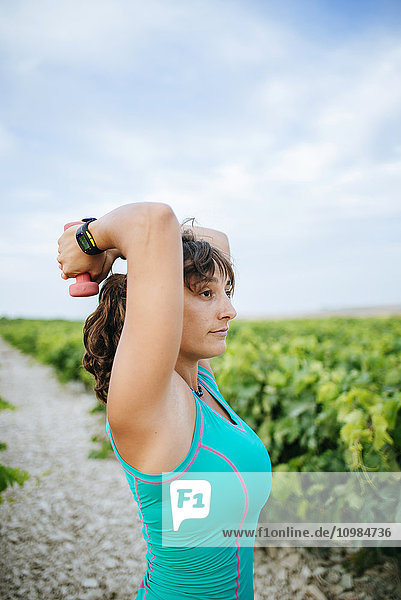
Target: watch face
point(83, 243)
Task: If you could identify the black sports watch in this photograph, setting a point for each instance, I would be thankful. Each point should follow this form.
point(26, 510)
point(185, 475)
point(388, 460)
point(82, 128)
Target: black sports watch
point(85, 239)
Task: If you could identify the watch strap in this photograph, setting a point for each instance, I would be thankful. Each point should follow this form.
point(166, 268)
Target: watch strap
point(85, 239)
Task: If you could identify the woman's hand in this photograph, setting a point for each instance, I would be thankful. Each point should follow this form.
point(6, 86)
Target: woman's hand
point(216, 238)
point(73, 261)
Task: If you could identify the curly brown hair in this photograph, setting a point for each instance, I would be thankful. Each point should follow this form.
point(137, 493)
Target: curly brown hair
point(102, 328)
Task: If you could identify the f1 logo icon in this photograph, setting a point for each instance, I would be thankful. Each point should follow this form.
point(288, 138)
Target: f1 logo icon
point(190, 499)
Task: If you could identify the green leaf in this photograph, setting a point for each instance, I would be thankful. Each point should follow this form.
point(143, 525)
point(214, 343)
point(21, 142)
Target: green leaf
point(381, 437)
point(5, 405)
point(327, 392)
point(9, 476)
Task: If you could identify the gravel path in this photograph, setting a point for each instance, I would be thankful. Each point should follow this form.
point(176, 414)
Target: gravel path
point(73, 532)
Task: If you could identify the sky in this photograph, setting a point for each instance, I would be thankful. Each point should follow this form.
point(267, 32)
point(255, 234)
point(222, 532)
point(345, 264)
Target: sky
point(276, 122)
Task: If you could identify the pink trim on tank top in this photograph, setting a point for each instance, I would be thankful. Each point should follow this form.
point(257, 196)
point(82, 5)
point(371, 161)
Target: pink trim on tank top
point(199, 445)
point(147, 532)
point(237, 426)
point(246, 506)
point(224, 457)
point(136, 478)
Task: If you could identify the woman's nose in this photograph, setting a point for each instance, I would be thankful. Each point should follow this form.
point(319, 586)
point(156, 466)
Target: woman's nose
point(229, 310)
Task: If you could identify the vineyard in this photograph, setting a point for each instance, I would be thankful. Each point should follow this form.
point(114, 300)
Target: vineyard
point(322, 394)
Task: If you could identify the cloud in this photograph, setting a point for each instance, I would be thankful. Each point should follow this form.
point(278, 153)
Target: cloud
point(363, 104)
point(96, 32)
point(229, 114)
point(303, 162)
point(8, 141)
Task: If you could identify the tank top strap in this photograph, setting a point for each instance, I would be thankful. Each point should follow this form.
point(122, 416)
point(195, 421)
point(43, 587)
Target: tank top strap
point(208, 377)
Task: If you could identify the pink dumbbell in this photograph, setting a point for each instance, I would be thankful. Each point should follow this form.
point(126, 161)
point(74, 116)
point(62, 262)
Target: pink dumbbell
point(84, 286)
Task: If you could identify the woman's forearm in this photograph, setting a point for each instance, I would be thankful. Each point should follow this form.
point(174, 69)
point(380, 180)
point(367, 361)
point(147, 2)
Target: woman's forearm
point(116, 230)
point(218, 239)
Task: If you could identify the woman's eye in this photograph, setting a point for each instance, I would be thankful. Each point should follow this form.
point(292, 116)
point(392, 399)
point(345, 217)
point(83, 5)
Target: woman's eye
point(209, 291)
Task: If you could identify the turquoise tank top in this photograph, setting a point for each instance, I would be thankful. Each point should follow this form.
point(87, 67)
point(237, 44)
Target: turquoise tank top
point(192, 568)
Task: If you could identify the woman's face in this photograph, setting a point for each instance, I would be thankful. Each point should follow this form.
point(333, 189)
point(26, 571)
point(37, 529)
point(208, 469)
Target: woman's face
point(206, 309)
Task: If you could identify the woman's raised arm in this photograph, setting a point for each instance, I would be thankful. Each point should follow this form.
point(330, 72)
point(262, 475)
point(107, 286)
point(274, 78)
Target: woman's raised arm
point(149, 236)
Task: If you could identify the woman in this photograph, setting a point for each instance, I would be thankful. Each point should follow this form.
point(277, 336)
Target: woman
point(149, 344)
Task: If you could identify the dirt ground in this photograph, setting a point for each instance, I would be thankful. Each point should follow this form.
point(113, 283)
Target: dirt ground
point(73, 532)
